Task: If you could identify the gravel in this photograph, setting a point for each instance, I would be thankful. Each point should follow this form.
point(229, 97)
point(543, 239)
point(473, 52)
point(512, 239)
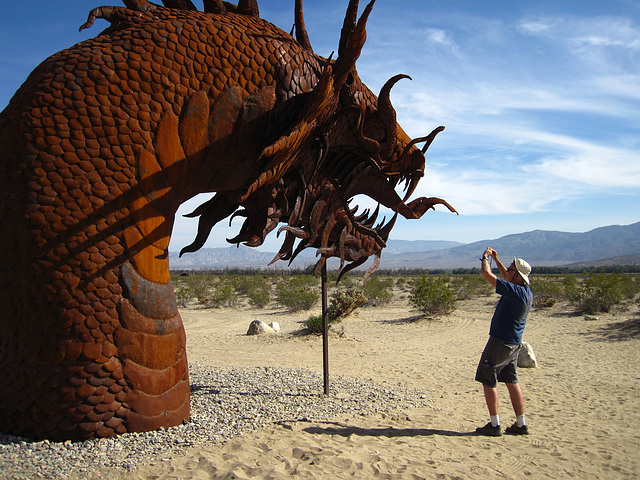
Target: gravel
point(224, 404)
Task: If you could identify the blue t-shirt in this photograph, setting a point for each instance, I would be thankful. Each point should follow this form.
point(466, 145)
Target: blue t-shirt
point(511, 313)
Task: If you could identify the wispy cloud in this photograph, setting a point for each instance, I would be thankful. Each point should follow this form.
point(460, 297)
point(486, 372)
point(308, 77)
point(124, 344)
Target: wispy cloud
point(539, 26)
point(436, 38)
point(602, 168)
point(607, 41)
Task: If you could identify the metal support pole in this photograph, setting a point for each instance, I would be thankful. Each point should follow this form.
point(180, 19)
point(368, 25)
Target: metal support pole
point(325, 331)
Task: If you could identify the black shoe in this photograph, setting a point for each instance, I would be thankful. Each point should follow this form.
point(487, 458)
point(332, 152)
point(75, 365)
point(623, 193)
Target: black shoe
point(516, 430)
point(489, 430)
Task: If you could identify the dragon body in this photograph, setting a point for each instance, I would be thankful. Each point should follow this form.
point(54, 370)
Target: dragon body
point(105, 140)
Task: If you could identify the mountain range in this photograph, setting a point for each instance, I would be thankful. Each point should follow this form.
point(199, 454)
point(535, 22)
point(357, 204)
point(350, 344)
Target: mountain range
point(611, 245)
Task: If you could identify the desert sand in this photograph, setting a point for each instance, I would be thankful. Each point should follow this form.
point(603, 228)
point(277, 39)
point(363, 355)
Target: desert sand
point(582, 400)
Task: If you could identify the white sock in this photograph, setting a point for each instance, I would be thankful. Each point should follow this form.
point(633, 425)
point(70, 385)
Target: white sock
point(495, 420)
point(520, 420)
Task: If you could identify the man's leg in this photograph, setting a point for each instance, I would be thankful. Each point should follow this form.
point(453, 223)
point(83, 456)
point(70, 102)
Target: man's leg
point(517, 399)
point(486, 374)
point(491, 397)
point(492, 428)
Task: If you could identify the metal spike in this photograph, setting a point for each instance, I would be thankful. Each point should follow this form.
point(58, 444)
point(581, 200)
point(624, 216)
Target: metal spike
point(373, 217)
point(379, 226)
point(386, 230)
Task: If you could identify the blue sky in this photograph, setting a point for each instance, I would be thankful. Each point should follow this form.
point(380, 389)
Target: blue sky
point(540, 99)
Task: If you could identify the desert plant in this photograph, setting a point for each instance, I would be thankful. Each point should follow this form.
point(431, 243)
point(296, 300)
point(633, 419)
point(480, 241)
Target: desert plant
point(257, 288)
point(343, 303)
point(305, 280)
point(223, 294)
point(195, 286)
point(245, 284)
point(433, 296)
point(630, 286)
point(470, 286)
point(183, 295)
point(599, 292)
point(570, 287)
point(261, 297)
point(314, 323)
point(347, 281)
point(378, 290)
point(297, 294)
point(546, 292)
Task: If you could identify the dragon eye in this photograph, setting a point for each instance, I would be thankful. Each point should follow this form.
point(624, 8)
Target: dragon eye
point(349, 81)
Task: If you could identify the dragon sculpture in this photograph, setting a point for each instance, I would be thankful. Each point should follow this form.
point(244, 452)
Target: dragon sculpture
point(104, 141)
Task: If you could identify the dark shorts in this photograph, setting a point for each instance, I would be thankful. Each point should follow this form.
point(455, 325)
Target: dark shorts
point(498, 363)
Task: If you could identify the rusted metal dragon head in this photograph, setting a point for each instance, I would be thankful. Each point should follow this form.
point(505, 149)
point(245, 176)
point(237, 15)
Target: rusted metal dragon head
point(334, 140)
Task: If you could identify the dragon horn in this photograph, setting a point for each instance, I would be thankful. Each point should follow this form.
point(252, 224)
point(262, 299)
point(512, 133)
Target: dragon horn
point(350, 19)
point(180, 4)
point(352, 39)
point(429, 139)
point(388, 114)
point(301, 30)
point(248, 7)
point(214, 6)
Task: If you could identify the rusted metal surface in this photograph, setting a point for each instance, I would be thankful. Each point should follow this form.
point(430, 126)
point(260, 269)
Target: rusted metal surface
point(106, 139)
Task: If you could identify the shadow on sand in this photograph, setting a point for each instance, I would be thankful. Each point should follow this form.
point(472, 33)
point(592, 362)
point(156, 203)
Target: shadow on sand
point(348, 430)
point(619, 331)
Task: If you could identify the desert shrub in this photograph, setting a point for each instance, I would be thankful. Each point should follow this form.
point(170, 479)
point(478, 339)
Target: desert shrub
point(347, 281)
point(378, 290)
point(261, 297)
point(433, 296)
point(546, 291)
point(223, 294)
point(343, 303)
point(194, 286)
point(245, 284)
point(630, 286)
point(570, 287)
point(314, 323)
point(471, 286)
point(183, 295)
point(305, 280)
point(599, 292)
point(296, 293)
point(257, 288)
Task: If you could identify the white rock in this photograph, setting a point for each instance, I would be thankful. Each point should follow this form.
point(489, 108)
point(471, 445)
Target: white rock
point(258, 327)
point(275, 326)
point(526, 358)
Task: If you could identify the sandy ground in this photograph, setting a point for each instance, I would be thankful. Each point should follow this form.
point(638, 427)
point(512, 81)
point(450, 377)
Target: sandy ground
point(582, 401)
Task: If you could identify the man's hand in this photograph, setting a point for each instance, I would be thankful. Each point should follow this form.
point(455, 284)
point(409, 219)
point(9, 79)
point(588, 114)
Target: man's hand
point(486, 269)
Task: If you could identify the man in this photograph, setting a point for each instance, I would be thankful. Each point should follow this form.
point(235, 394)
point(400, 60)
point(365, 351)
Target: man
point(500, 356)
